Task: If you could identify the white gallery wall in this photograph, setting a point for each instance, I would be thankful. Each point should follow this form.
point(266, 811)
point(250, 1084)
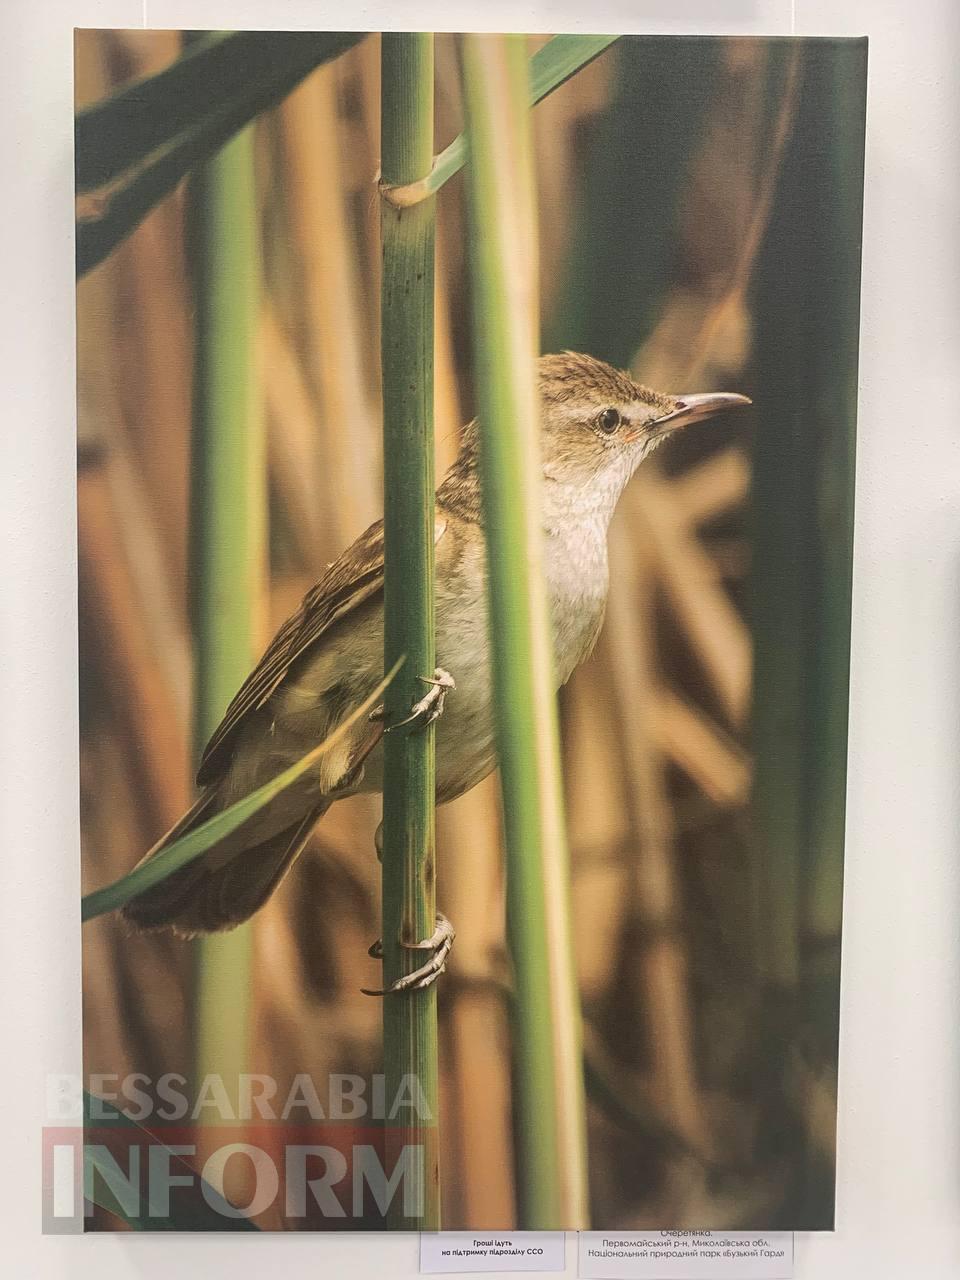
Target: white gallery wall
point(899, 1141)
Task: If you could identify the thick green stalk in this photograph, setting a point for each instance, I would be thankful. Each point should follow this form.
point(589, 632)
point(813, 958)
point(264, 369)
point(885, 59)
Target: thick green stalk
point(782, 567)
point(228, 530)
point(548, 1072)
point(808, 286)
point(807, 307)
point(837, 82)
point(409, 873)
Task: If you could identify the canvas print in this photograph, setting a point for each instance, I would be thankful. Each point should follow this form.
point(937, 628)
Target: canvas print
point(466, 471)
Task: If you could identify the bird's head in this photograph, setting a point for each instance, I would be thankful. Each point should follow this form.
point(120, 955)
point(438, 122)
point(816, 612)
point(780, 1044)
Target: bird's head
point(598, 424)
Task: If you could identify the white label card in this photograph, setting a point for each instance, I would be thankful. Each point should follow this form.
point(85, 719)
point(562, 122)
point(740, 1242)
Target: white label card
point(687, 1255)
point(449, 1252)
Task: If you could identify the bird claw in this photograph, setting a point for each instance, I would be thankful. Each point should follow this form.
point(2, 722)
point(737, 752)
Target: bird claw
point(439, 944)
point(430, 706)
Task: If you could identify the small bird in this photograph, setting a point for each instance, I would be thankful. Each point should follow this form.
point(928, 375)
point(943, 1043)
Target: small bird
point(597, 426)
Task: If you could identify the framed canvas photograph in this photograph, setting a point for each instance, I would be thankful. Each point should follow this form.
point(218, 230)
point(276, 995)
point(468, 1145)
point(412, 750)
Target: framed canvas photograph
point(466, 432)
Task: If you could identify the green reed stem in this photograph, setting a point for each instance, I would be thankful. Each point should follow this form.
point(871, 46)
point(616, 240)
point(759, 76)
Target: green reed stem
point(807, 321)
point(549, 1103)
point(228, 530)
point(409, 872)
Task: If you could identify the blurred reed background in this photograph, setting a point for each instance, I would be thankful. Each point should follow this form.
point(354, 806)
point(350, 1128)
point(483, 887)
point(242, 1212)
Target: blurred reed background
point(677, 182)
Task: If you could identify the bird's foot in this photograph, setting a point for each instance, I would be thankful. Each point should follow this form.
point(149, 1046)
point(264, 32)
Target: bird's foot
point(430, 706)
point(439, 944)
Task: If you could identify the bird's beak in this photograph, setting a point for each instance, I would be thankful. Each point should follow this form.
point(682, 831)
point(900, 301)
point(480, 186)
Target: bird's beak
point(695, 408)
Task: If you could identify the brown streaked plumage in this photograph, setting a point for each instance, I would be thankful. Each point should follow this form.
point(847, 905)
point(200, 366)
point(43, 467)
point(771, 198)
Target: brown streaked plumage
point(597, 426)
point(569, 375)
point(354, 577)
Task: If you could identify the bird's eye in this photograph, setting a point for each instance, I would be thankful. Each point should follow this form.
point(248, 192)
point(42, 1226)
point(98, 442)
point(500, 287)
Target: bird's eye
point(608, 421)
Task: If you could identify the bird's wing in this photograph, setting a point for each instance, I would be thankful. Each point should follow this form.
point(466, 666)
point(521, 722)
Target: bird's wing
point(355, 577)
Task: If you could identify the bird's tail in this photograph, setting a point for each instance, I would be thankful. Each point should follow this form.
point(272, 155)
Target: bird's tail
point(215, 892)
